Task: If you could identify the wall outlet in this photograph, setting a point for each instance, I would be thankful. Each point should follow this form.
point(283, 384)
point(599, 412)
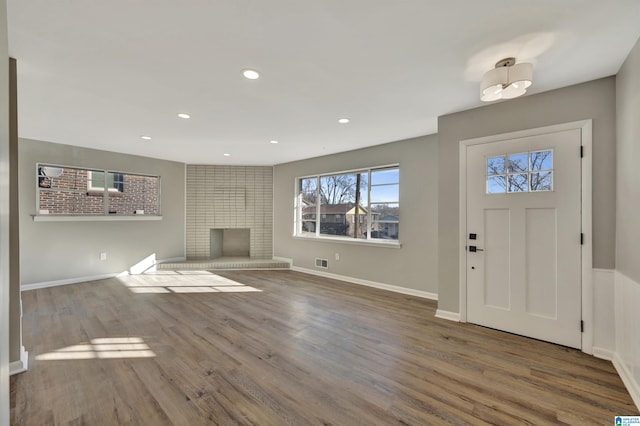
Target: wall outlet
point(337, 256)
point(103, 256)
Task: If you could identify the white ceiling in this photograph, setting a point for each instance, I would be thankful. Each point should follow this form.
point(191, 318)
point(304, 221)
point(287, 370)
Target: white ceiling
point(101, 74)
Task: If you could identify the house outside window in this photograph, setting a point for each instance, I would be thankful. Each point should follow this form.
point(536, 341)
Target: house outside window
point(370, 195)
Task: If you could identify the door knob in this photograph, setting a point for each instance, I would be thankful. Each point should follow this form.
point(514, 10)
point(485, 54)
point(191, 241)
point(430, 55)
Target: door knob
point(474, 249)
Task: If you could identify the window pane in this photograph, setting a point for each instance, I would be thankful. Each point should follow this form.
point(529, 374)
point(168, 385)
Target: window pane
point(385, 230)
point(518, 183)
point(133, 194)
point(97, 180)
point(496, 184)
point(344, 202)
point(364, 189)
point(308, 190)
point(518, 163)
point(495, 166)
point(385, 221)
point(77, 191)
point(308, 198)
point(541, 160)
point(338, 189)
point(385, 176)
point(542, 181)
point(385, 193)
point(115, 181)
point(337, 197)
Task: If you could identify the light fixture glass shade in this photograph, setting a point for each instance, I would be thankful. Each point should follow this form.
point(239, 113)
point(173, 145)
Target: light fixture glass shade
point(506, 82)
point(512, 91)
point(492, 83)
point(521, 75)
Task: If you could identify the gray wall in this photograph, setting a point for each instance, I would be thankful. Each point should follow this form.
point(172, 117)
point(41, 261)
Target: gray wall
point(14, 221)
point(4, 217)
point(413, 266)
point(229, 197)
point(52, 251)
point(593, 100)
point(628, 179)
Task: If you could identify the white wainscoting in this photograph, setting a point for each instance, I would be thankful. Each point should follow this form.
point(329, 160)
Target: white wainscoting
point(603, 314)
point(627, 331)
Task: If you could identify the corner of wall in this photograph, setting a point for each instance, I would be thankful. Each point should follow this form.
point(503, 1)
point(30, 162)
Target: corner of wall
point(626, 358)
point(21, 365)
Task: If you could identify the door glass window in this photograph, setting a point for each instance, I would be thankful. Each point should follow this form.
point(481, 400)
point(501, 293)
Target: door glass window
point(520, 172)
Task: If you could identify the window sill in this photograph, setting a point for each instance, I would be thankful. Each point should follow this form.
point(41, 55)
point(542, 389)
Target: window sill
point(96, 218)
point(394, 244)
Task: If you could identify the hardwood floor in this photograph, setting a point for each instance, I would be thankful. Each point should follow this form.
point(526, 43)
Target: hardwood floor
point(285, 348)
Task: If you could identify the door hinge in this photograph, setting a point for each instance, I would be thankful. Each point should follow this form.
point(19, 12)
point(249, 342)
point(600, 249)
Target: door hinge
point(581, 326)
point(581, 151)
point(581, 238)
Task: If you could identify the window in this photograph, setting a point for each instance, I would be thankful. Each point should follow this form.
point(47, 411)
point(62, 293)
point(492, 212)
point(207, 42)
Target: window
point(73, 191)
point(362, 204)
point(115, 181)
point(521, 172)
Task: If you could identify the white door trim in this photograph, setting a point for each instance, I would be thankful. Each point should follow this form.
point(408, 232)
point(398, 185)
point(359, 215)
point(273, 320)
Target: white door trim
point(585, 127)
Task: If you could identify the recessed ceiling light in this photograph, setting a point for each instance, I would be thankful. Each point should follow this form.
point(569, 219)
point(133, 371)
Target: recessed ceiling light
point(227, 155)
point(343, 120)
point(183, 115)
point(273, 142)
point(146, 138)
point(251, 74)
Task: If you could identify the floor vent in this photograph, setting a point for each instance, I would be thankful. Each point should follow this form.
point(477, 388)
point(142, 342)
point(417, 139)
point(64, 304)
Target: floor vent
point(322, 263)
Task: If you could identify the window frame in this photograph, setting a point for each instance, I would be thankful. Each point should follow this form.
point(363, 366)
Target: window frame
point(317, 235)
point(89, 190)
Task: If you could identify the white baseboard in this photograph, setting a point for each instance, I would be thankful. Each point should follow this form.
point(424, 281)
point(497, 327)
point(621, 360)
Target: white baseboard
point(45, 284)
point(627, 378)
point(388, 287)
point(21, 365)
point(603, 353)
point(599, 324)
point(451, 316)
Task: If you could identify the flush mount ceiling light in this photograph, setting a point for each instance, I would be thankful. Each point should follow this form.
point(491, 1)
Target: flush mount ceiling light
point(273, 142)
point(146, 138)
point(183, 115)
point(251, 74)
point(507, 80)
point(227, 155)
point(343, 120)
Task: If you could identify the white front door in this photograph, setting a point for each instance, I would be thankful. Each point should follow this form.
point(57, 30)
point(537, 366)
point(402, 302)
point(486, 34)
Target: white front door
point(523, 221)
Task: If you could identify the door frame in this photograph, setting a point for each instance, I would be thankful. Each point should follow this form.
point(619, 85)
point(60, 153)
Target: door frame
point(585, 127)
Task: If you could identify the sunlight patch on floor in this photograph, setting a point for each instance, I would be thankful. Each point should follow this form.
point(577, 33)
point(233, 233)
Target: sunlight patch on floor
point(103, 348)
point(184, 282)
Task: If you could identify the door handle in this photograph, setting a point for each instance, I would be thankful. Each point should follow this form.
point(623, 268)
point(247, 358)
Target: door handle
point(474, 249)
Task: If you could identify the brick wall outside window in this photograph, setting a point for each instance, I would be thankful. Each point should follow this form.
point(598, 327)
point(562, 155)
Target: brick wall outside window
point(68, 194)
